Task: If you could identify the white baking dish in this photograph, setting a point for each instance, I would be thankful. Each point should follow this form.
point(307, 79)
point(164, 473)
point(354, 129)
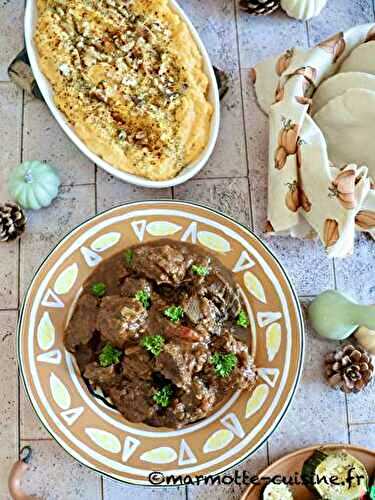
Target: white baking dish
point(189, 171)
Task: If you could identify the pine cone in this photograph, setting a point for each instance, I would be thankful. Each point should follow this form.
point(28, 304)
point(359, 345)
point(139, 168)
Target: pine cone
point(349, 368)
point(259, 7)
point(12, 221)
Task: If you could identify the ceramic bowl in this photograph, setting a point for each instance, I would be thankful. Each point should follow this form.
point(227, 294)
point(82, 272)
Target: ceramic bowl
point(99, 436)
point(291, 465)
point(186, 173)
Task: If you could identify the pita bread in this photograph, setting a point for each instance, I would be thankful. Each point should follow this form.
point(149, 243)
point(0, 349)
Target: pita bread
point(338, 85)
point(348, 125)
point(361, 59)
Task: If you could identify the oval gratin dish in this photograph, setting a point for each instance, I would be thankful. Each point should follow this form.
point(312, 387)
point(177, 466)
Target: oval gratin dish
point(31, 15)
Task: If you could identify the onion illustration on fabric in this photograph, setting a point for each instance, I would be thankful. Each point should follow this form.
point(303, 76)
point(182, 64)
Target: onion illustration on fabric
point(292, 199)
point(280, 92)
point(284, 61)
point(287, 146)
point(343, 188)
point(296, 198)
point(331, 232)
point(334, 45)
point(365, 219)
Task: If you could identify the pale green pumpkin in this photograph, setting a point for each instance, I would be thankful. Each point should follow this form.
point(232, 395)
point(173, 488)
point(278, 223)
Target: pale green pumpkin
point(34, 184)
point(303, 9)
point(335, 317)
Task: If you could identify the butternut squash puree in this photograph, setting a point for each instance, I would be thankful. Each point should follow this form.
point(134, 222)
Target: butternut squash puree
point(129, 78)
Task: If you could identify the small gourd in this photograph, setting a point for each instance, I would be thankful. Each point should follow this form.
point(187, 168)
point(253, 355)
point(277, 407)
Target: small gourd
point(366, 338)
point(303, 9)
point(333, 316)
point(34, 184)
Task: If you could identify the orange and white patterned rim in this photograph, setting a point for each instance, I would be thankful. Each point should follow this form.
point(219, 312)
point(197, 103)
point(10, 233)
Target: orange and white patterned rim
point(98, 436)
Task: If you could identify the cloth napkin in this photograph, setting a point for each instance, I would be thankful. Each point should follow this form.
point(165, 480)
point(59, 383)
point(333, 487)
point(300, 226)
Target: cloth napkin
point(307, 194)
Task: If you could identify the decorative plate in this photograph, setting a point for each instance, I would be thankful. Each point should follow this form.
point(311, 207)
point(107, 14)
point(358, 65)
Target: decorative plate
point(99, 436)
point(291, 464)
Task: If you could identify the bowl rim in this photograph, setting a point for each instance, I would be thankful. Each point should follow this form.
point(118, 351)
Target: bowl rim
point(45, 87)
point(299, 314)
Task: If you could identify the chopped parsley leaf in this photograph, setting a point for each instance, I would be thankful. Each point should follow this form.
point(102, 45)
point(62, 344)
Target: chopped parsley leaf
point(174, 313)
point(242, 319)
point(199, 270)
point(144, 298)
point(153, 343)
point(98, 289)
point(163, 396)
point(128, 256)
point(223, 364)
point(109, 356)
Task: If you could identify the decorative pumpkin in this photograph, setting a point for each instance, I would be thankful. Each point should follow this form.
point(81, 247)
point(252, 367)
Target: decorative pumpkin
point(34, 184)
point(366, 338)
point(303, 9)
point(333, 316)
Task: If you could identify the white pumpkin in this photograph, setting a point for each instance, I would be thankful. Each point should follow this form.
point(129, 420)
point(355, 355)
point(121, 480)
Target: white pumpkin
point(303, 9)
point(366, 338)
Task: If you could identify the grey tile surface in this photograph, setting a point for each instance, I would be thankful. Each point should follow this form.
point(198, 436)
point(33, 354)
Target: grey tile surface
point(232, 481)
point(11, 33)
point(8, 397)
point(45, 140)
point(355, 275)
point(317, 413)
point(215, 22)
point(112, 192)
point(262, 37)
point(231, 196)
point(115, 491)
point(10, 140)
point(363, 435)
point(229, 156)
point(53, 474)
point(234, 181)
point(340, 16)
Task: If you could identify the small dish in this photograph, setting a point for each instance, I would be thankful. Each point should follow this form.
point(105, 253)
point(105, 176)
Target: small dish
point(187, 172)
point(291, 464)
point(97, 435)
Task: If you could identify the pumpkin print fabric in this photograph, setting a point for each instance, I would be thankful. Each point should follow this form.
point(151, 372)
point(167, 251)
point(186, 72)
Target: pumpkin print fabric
point(308, 195)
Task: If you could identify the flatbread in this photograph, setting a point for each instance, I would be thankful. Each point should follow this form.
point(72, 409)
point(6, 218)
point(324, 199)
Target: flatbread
point(361, 59)
point(348, 125)
point(338, 85)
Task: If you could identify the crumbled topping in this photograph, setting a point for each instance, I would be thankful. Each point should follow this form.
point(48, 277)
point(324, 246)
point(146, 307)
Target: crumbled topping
point(65, 69)
point(122, 70)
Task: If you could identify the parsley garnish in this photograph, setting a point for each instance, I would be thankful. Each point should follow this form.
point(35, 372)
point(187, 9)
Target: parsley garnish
point(174, 313)
point(98, 289)
point(163, 396)
point(224, 364)
point(109, 356)
point(128, 256)
point(144, 298)
point(199, 270)
point(243, 319)
point(153, 343)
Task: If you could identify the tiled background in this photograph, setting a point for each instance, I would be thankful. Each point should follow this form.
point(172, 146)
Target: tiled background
point(234, 181)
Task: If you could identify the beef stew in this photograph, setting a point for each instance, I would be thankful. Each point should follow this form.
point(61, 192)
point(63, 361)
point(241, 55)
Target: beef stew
point(155, 329)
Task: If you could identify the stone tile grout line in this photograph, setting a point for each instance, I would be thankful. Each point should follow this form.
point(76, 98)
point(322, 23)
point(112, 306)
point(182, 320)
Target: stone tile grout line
point(235, 11)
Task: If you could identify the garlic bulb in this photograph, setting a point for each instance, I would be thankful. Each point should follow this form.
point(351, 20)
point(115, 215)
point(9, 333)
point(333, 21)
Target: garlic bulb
point(303, 9)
